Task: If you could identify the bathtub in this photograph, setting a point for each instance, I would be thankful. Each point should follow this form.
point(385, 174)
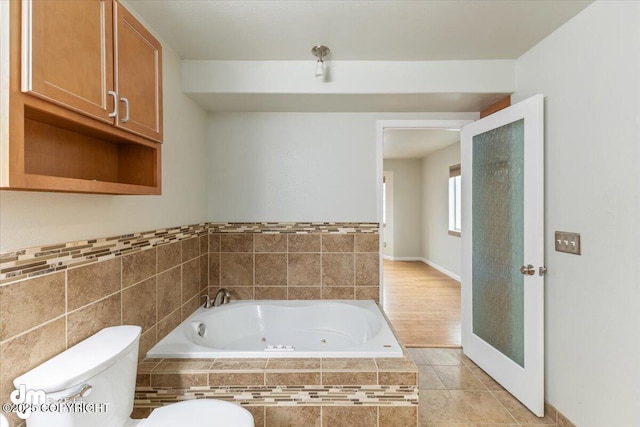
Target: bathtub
point(282, 329)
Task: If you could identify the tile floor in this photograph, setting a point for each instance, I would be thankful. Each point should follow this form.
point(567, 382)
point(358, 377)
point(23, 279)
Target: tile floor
point(454, 392)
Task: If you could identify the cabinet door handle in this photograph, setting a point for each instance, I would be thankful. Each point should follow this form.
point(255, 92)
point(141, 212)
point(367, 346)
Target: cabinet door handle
point(114, 113)
point(125, 119)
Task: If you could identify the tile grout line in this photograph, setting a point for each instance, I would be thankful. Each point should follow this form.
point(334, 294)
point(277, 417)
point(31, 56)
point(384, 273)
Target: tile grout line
point(486, 389)
point(505, 408)
point(33, 328)
point(496, 397)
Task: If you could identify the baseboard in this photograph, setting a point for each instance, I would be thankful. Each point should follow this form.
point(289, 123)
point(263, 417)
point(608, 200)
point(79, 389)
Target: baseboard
point(402, 258)
point(426, 261)
point(441, 269)
point(561, 420)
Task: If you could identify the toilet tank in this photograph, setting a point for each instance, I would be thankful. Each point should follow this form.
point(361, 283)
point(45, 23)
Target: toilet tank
point(106, 363)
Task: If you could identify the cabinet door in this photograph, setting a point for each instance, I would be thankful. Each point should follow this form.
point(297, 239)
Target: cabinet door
point(67, 50)
point(138, 59)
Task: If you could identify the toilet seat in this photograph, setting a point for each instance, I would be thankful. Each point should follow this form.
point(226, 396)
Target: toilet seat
point(199, 413)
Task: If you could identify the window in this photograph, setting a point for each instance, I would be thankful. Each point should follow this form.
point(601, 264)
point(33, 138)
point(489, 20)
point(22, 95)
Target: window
point(455, 195)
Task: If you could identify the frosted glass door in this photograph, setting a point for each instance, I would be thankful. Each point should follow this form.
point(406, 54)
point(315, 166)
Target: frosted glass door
point(503, 248)
point(498, 228)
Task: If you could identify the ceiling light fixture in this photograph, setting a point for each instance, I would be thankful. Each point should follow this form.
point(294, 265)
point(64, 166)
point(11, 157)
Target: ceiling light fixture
point(320, 52)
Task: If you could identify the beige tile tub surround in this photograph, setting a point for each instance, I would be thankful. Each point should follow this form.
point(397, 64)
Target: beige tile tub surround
point(290, 392)
point(282, 265)
point(52, 297)
point(155, 288)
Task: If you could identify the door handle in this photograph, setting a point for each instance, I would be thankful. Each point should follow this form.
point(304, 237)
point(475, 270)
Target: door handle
point(125, 119)
point(528, 270)
point(114, 113)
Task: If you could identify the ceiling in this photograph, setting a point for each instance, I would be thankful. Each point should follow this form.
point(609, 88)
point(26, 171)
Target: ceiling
point(416, 143)
point(381, 30)
point(354, 30)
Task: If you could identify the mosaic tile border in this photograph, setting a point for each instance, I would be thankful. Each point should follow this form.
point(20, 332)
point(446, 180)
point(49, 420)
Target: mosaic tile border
point(365, 395)
point(36, 261)
point(294, 227)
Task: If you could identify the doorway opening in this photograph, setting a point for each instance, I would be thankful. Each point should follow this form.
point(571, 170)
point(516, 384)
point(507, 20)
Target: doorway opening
point(420, 259)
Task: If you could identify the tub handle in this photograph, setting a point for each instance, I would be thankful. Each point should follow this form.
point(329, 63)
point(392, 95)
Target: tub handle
point(208, 302)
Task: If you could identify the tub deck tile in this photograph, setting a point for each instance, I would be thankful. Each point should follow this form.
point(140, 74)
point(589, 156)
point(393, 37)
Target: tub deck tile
point(347, 364)
point(239, 365)
point(349, 378)
point(293, 365)
point(187, 366)
point(227, 378)
point(405, 364)
point(292, 378)
point(146, 367)
point(281, 383)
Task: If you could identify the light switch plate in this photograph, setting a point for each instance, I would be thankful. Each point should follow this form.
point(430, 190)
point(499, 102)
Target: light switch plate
point(568, 242)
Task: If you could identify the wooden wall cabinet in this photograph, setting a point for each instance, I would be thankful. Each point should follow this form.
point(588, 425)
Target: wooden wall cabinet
point(138, 70)
point(67, 51)
point(85, 99)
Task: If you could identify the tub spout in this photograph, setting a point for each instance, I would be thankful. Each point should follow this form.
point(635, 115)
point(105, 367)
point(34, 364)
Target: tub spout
point(222, 297)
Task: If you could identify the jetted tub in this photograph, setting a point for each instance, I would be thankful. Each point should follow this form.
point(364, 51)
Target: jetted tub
point(282, 329)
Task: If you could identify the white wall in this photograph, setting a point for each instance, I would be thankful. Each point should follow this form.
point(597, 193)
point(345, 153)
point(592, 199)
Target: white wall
point(438, 247)
point(348, 86)
point(36, 218)
point(407, 206)
point(589, 72)
point(297, 166)
point(349, 77)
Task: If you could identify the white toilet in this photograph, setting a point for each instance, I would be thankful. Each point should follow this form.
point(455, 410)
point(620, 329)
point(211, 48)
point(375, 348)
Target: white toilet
point(103, 369)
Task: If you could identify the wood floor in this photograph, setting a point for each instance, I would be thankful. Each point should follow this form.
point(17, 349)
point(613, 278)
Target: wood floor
point(422, 304)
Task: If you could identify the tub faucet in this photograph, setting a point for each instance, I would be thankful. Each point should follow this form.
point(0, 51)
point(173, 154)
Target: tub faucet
point(222, 297)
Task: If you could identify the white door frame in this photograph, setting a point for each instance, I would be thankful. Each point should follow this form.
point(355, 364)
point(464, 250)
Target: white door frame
point(386, 232)
point(381, 125)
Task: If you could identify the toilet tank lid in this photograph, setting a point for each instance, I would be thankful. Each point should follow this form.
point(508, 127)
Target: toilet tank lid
point(82, 361)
